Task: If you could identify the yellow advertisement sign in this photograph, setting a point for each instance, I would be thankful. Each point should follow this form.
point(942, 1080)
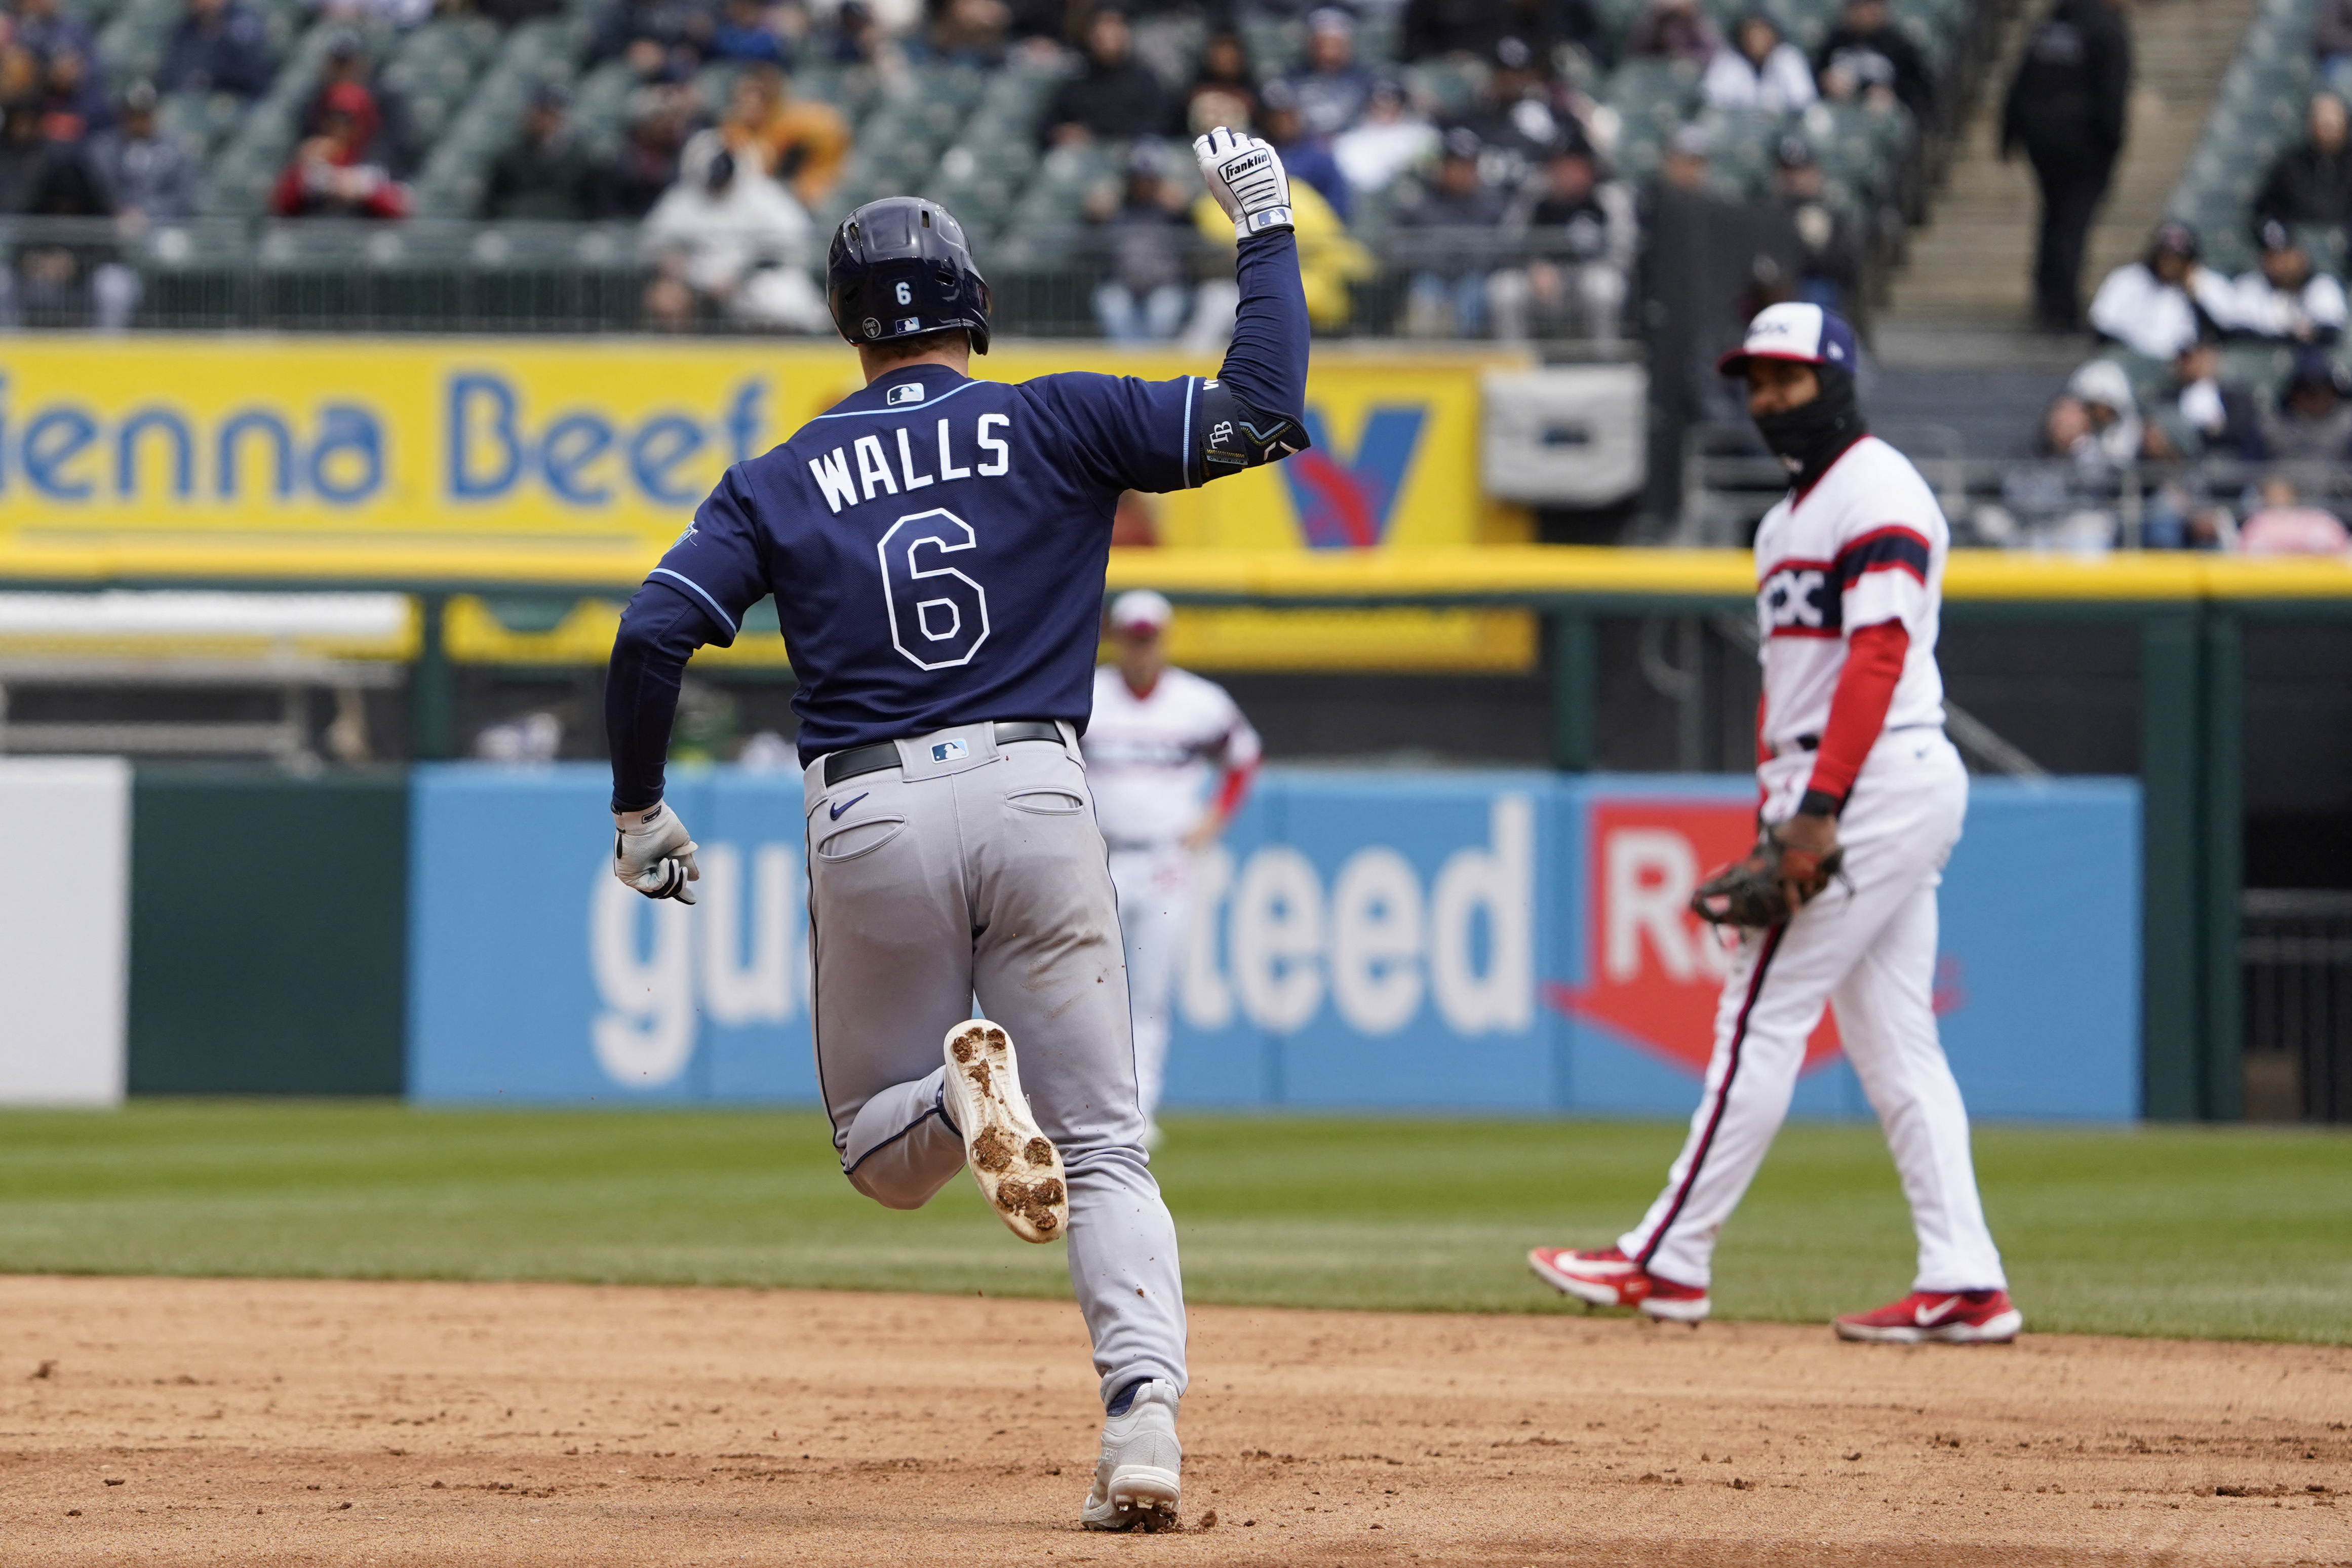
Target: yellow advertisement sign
point(608, 445)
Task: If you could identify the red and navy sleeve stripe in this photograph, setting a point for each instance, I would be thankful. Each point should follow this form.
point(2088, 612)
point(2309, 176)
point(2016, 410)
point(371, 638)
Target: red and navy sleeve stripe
point(1890, 549)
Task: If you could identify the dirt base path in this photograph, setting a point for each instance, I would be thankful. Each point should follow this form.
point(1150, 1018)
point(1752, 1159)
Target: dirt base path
point(167, 1422)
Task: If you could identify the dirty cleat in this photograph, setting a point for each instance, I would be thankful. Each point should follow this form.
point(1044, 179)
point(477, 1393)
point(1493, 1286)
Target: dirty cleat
point(1017, 1167)
point(1951, 1317)
point(1137, 1480)
point(1612, 1280)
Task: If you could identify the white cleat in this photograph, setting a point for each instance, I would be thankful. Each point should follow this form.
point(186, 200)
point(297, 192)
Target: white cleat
point(1137, 1480)
point(1017, 1167)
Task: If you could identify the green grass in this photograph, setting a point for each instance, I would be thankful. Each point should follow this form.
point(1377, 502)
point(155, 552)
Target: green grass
point(2239, 1233)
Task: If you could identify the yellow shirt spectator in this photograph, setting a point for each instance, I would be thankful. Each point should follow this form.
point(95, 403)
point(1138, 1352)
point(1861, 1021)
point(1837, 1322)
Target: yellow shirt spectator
point(800, 142)
point(1330, 257)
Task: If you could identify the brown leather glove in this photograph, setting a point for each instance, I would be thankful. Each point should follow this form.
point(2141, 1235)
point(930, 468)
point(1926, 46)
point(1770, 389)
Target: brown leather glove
point(1790, 866)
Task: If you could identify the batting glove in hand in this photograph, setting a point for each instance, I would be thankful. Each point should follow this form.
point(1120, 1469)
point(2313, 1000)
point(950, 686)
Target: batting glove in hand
point(653, 854)
point(1245, 176)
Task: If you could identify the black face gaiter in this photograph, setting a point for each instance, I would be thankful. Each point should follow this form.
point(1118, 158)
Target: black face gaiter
point(1809, 438)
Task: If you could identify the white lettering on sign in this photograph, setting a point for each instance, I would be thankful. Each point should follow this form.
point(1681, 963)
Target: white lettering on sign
point(1378, 945)
point(1648, 875)
point(739, 955)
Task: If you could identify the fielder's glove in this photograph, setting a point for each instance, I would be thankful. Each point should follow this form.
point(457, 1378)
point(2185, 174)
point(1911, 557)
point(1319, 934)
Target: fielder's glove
point(1245, 176)
point(653, 854)
point(1786, 870)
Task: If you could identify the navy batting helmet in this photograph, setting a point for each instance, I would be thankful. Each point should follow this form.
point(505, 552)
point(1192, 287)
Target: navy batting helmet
point(898, 268)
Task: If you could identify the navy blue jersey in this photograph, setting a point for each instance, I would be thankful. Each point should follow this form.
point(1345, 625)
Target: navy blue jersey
point(929, 542)
point(936, 545)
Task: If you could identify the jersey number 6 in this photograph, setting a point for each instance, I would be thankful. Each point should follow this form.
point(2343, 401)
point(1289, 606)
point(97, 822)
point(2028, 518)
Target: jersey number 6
point(938, 616)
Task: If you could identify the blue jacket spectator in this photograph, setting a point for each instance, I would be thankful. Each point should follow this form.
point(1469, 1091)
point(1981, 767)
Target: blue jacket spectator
point(218, 47)
point(1333, 89)
point(744, 34)
point(150, 177)
point(1306, 158)
point(49, 32)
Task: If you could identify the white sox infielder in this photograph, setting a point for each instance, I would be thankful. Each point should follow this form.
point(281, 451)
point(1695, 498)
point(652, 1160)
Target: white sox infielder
point(1852, 757)
point(1157, 732)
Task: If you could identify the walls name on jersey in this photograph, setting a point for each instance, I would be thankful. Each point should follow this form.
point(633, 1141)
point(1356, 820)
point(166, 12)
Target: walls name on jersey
point(855, 473)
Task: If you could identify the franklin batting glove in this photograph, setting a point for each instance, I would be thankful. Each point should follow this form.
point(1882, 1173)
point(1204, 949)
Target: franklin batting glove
point(653, 854)
point(1245, 176)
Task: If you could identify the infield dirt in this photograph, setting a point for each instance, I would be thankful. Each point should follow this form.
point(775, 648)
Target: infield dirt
point(245, 1422)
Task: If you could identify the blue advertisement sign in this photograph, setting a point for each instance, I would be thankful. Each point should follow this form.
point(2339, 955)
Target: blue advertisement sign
point(1500, 941)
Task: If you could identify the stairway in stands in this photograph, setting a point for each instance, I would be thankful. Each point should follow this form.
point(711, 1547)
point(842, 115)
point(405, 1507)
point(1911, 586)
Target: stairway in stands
point(1963, 299)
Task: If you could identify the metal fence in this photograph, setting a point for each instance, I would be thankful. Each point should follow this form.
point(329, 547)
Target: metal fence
point(2297, 947)
point(422, 275)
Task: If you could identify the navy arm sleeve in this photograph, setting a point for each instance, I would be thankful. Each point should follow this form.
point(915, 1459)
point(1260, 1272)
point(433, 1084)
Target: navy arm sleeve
point(716, 571)
point(1265, 364)
point(659, 632)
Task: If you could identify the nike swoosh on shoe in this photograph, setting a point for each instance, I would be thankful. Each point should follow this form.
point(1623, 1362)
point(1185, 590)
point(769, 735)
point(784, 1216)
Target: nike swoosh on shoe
point(1927, 1316)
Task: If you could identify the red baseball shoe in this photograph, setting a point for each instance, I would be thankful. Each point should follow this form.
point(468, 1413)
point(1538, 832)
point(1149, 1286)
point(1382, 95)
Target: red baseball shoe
point(1612, 1280)
point(1954, 1317)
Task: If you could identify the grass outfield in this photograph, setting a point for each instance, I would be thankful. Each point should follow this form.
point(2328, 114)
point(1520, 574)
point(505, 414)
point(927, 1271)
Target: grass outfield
point(2225, 1232)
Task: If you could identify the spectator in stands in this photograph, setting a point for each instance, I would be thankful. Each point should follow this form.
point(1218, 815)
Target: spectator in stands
point(544, 177)
point(2313, 421)
point(663, 40)
point(1673, 30)
point(2311, 182)
point(73, 104)
point(1469, 29)
point(1819, 244)
point(628, 184)
point(378, 115)
point(1584, 235)
point(2285, 524)
point(1517, 117)
point(729, 240)
point(800, 141)
point(41, 178)
point(2065, 108)
point(44, 27)
point(1867, 48)
point(2116, 434)
point(151, 177)
point(1758, 70)
point(1306, 159)
point(218, 47)
point(2285, 299)
point(1144, 299)
point(1115, 97)
point(2161, 303)
point(965, 32)
point(2331, 38)
point(2200, 414)
point(1389, 138)
point(331, 175)
point(1333, 88)
point(745, 32)
point(1224, 89)
point(1452, 218)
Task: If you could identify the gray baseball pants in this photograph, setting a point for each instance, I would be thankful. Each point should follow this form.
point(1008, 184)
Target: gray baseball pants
point(974, 870)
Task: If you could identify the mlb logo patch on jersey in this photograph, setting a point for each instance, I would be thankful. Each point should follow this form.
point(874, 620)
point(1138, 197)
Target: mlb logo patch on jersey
point(905, 392)
point(948, 750)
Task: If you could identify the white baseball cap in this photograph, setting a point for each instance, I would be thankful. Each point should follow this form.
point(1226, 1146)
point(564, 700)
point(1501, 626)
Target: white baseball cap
point(1140, 610)
point(1802, 334)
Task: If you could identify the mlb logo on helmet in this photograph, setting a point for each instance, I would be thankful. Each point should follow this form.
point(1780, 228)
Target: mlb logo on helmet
point(1802, 334)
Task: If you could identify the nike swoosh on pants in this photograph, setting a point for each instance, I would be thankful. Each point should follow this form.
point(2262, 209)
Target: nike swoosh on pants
point(846, 805)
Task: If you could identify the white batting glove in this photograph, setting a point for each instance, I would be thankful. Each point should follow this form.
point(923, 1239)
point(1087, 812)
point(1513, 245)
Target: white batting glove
point(653, 854)
point(1245, 176)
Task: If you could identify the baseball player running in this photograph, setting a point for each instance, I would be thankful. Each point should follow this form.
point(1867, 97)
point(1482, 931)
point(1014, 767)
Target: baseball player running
point(1156, 734)
point(936, 547)
point(1862, 798)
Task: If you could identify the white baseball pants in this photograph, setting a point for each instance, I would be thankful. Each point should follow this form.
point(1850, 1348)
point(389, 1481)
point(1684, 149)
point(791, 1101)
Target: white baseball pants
point(1155, 912)
point(930, 884)
point(1869, 949)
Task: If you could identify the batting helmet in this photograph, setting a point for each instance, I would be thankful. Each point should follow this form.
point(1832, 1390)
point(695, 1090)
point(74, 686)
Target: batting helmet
point(900, 267)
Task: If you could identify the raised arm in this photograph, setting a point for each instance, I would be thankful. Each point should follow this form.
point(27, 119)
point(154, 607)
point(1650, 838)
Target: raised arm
point(1251, 414)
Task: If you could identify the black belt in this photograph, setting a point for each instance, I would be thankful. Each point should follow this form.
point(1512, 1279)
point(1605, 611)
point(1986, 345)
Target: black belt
point(1813, 743)
point(882, 755)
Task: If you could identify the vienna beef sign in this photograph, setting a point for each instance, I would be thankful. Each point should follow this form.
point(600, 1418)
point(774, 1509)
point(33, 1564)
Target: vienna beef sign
point(1654, 969)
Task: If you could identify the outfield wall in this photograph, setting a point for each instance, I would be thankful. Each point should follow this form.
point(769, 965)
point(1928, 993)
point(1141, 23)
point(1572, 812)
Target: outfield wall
point(1497, 942)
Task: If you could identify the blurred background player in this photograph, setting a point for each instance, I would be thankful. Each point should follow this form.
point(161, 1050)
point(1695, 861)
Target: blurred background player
point(1156, 733)
point(1852, 757)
